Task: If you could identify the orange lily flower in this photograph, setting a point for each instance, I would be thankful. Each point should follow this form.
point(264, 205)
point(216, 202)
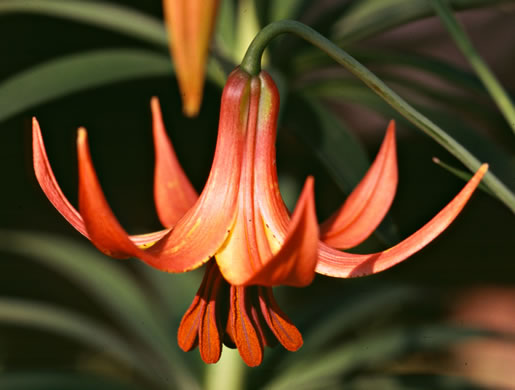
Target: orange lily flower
point(190, 24)
point(240, 220)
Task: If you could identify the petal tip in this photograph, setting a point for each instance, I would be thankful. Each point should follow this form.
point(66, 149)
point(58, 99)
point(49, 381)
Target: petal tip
point(154, 104)
point(191, 106)
point(82, 134)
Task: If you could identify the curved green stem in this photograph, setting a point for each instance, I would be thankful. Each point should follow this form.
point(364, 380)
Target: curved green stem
point(252, 64)
point(482, 70)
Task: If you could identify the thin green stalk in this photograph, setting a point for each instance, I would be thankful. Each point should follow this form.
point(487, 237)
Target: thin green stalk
point(252, 64)
point(228, 373)
point(482, 70)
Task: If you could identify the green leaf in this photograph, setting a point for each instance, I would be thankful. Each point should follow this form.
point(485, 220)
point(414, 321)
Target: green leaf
point(365, 352)
point(286, 9)
point(114, 17)
point(111, 286)
point(334, 144)
point(65, 323)
point(77, 72)
point(54, 380)
point(496, 90)
point(356, 310)
point(225, 31)
point(411, 382)
point(369, 17)
point(247, 27)
point(175, 297)
point(353, 91)
point(312, 58)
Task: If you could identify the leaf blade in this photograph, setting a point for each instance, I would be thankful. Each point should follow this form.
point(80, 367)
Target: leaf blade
point(66, 75)
point(117, 18)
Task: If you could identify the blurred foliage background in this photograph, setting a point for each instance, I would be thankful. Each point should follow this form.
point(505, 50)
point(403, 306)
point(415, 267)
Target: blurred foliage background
point(69, 317)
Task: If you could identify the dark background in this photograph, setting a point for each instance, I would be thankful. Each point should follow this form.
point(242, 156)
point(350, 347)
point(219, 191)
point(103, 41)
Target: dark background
point(477, 249)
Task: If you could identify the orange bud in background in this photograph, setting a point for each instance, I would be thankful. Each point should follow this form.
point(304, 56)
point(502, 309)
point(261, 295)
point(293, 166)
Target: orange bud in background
point(190, 24)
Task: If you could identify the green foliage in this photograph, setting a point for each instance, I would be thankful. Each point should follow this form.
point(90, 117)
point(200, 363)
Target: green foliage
point(350, 336)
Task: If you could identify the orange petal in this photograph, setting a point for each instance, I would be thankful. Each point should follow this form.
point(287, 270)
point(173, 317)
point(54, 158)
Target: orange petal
point(48, 182)
point(178, 251)
point(240, 254)
point(190, 24)
point(267, 191)
point(294, 264)
point(50, 187)
point(245, 336)
point(262, 224)
point(332, 262)
point(203, 229)
point(367, 205)
point(173, 192)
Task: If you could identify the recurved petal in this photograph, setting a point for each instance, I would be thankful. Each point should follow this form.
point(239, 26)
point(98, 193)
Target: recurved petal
point(294, 263)
point(334, 263)
point(50, 187)
point(266, 183)
point(367, 205)
point(173, 192)
point(48, 182)
point(104, 230)
point(179, 250)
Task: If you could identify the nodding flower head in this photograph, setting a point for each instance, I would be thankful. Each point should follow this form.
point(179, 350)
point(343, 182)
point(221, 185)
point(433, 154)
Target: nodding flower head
point(240, 225)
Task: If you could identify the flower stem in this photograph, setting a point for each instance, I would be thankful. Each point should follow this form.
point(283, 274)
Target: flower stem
point(482, 70)
point(228, 373)
point(251, 63)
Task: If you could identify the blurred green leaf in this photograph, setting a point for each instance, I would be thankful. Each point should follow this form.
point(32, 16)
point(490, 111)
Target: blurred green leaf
point(355, 92)
point(63, 322)
point(247, 27)
point(115, 17)
point(112, 287)
point(285, 9)
point(225, 31)
point(487, 77)
point(370, 350)
point(313, 58)
point(334, 144)
point(174, 296)
point(352, 312)
point(66, 75)
point(446, 71)
point(50, 380)
point(369, 17)
point(411, 382)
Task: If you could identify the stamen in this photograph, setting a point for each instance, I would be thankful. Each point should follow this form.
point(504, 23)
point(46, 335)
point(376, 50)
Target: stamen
point(251, 321)
point(210, 343)
point(243, 331)
point(266, 336)
point(200, 324)
point(279, 323)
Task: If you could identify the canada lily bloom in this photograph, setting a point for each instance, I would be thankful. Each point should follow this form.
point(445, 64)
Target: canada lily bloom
point(190, 24)
point(241, 222)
